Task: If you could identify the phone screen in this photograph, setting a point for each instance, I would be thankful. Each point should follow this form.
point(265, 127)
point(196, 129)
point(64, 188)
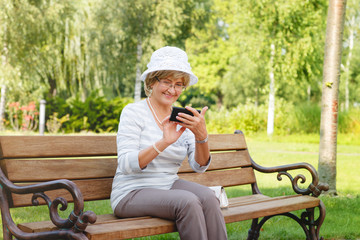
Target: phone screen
point(177, 110)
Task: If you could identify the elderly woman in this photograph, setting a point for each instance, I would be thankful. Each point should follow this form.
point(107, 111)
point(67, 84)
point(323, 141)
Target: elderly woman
point(151, 149)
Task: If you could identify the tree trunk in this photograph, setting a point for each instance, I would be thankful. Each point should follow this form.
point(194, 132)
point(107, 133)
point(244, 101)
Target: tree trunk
point(4, 62)
point(137, 95)
point(348, 60)
point(2, 107)
point(330, 93)
point(271, 111)
point(53, 86)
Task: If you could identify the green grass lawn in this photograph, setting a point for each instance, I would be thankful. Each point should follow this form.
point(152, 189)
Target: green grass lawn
point(343, 212)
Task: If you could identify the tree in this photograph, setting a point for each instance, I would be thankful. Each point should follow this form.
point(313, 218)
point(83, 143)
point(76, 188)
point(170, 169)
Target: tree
point(241, 35)
point(288, 31)
point(330, 93)
point(352, 26)
point(50, 42)
point(146, 26)
point(7, 72)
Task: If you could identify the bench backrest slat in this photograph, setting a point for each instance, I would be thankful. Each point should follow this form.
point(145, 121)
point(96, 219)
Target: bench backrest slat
point(57, 146)
point(91, 189)
point(91, 161)
point(226, 142)
point(33, 170)
point(223, 160)
point(101, 188)
point(77, 146)
point(228, 178)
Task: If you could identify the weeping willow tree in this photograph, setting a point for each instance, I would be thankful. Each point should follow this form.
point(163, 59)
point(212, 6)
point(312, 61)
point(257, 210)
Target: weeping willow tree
point(139, 27)
point(68, 48)
point(52, 45)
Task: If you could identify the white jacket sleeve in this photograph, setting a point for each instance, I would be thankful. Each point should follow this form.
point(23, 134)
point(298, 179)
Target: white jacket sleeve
point(128, 140)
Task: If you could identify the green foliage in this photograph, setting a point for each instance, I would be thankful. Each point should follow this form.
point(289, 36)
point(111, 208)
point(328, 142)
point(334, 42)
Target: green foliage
point(349, 121)
point(232, 57)
point(54, 124)
point(289, 119)
point(127, 25)
point(308, 118)
point(47, 47)
point(250, 118)
point(247, 118)
point(96, 114)
point(196, 98)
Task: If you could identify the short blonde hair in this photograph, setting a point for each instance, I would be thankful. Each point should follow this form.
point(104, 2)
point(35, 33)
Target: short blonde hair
point(151, 78)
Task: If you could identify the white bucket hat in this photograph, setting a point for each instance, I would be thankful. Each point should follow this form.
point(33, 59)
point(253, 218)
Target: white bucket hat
point(170, 58)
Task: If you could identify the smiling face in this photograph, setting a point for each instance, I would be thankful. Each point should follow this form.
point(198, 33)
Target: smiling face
point(165, 86)
point(165, 90)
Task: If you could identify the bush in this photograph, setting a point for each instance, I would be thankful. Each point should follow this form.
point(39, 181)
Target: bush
point(285, 121)
point(96, 114)
point(303, 118)
point(247, 118)
point(349, 121)
point(307, 118)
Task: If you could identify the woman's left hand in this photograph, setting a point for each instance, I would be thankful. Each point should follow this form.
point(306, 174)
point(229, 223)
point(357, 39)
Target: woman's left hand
point(195, 123)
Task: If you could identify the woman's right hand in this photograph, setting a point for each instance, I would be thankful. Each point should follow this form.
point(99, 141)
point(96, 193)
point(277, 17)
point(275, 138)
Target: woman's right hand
point(170, 133)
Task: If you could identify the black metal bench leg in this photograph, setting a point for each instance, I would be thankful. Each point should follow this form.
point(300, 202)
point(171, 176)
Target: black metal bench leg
point(253, 233)
point(6, 233)
point(315, 225)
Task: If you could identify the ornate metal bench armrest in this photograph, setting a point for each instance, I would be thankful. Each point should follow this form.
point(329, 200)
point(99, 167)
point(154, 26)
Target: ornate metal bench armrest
point(315, 187)
point(77, 220)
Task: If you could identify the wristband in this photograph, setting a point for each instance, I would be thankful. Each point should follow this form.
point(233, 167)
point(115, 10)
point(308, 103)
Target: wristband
point(203, 141)
point(156, 149)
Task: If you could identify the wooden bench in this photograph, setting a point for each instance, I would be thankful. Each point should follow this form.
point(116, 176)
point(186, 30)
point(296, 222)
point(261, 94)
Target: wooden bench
point(88, 164)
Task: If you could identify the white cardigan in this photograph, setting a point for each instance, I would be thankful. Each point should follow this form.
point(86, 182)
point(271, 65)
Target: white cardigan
point(138, 130)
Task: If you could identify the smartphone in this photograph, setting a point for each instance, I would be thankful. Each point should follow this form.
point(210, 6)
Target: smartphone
point(177, 110)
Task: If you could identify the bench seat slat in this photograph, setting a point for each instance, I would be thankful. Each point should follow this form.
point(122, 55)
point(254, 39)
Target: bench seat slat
point(269, 207)
point(240, 208)
point(49, 226)
point(130, 229)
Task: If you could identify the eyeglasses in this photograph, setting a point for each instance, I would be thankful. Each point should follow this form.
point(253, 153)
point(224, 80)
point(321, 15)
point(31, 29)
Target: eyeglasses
point(168, 84)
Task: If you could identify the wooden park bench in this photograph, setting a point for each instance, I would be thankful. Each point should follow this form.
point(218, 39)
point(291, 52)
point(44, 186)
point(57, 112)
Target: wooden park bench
point(55, 170)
